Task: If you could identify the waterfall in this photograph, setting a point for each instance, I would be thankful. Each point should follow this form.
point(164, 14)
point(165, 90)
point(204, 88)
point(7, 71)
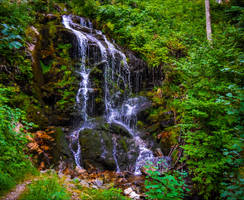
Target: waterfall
point(82, 94)
point(120, 108)
point(114, 153)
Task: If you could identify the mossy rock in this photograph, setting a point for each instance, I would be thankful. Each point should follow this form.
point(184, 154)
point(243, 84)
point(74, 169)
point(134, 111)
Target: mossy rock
point(98, 147)
point(61, 150)
point(118, 129)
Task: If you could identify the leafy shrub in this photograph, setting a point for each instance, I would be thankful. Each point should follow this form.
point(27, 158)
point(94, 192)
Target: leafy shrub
point(212, 111)
point(15, 13)
point(86, 8)
point(14, 164)
point(9, 39)
point(233, 187)
point(167, 186)
point(14, 17)
point(45, 189)
point(158, 30)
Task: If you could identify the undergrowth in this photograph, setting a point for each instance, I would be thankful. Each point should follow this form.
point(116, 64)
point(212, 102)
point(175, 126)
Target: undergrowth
point(14, 164)
point(99, 194)
point(46, 188)
point(167, 185)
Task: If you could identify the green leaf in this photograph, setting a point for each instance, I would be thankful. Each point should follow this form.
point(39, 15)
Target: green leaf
point(229, 95)
point(15, 44)
point(45, 68)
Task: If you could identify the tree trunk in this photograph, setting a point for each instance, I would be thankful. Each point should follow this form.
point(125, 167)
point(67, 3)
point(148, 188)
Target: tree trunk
point(208, 21)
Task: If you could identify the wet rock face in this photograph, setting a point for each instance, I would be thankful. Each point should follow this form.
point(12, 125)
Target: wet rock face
point(47, 52)
point(102, 146)
point(143, 77)
point(96, 152)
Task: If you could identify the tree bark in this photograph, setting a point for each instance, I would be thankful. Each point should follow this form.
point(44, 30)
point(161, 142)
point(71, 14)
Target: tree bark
point(208, 21)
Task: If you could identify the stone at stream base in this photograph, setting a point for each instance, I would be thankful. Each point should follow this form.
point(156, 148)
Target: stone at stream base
point(80, 170)
point(101, 146)
point(128, 191)
point(134, 185)
point(131, 193)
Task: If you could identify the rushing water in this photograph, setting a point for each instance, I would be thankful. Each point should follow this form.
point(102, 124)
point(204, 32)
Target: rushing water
point(120, 107)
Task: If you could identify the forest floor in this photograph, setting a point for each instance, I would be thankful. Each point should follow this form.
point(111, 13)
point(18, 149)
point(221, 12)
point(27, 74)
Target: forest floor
point(17, 191)
point(79, 182)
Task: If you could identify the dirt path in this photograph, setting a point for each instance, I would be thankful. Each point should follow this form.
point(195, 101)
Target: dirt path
point(17, 191)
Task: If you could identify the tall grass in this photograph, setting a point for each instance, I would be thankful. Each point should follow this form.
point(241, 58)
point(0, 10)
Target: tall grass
point(45, 189)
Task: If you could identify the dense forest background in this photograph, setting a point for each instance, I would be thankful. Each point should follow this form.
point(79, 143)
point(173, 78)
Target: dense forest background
point(202, 88)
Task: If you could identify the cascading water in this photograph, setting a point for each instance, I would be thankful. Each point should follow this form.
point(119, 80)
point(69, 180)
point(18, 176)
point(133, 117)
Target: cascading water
point(82, 94)
point(120, 108)
point(114, 153)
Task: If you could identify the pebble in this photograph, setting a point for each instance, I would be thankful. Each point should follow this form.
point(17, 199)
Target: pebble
point(98, 182)
point(131, 193)
point(128, 191)
point(80, 170)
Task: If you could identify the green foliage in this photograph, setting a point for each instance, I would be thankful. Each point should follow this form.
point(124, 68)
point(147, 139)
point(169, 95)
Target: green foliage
point(14, 164)
point(47, 6)
point(202, 89)
point(14, 17)
point(63, 50)
point(45, 189)
point(233, 187)
point(16, 67)
point(13, 13)
point(211, 114)
point(9, 39)
point(45, 68)
point(6, 182)
point(153, 30)
point(66, 85)
point(202, 84)
point(109, 194)
point(165, 186)
point(86, 8)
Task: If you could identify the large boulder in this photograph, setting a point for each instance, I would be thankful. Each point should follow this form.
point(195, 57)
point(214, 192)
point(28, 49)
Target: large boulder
point(104, 145)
